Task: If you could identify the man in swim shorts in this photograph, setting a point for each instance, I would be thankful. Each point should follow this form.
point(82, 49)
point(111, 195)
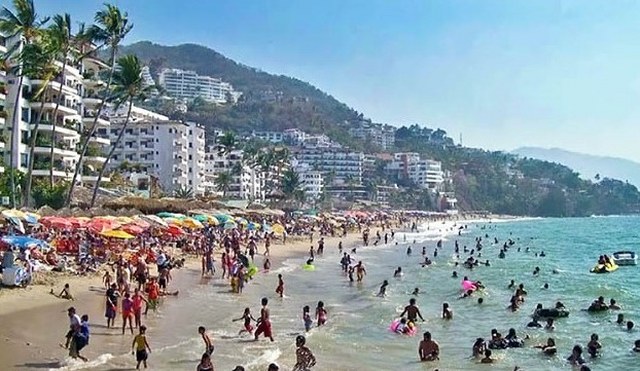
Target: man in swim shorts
point(264, 324)
point(412, 311)
point(360, 271)
point(428, 350)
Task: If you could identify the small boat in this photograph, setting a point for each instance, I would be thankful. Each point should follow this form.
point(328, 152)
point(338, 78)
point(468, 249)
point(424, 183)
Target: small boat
point(625, 258)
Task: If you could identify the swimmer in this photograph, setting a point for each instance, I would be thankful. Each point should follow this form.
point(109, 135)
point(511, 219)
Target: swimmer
point(545, 286)
point(447, 313)
point(454, 274)
point(620, 319)
point(512, 284)
point(397, 273)
point(549, 326)
point(594, 346)
point(534, 323)
point(208, 344)
point(409, 250)
point(480, 301)
point(304, 357)
point(478, 347)
point(383, 289)
point(402, 327)
point(636, 346)
point(575, 359)
point(416, 291)
point(321, 314)
point(424, 250)
point(613, 305)
point(412, 311)
point(247, 318)
point(466, 294)
point(306, 318)
point(428, 350)
point(549, 348)
point(630, 326)
point(487, 357)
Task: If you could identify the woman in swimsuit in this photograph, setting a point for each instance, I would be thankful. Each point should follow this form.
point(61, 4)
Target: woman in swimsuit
point(321, 314)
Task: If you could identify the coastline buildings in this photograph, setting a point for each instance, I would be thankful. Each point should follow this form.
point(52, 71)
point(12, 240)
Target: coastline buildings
point(426, 174)
point(76, 90)
point(171, 151)
point(337, 164)
point(188, 84)
point(383, 136)
point(311, 181)
point(245, 182)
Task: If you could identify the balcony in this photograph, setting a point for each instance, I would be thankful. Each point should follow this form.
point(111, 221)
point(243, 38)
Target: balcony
point(67, 88)
point(90, 175)
point(42, 168)
point(89, 117)
point(100, 140)
point(65, 108)
point(67, 130)
point(92, 98)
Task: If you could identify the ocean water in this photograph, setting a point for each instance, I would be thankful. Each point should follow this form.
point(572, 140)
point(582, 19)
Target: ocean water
point(356, 336)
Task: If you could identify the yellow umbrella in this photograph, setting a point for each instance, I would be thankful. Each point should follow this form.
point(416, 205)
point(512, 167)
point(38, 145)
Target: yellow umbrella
point(117, 234)
point(192, 223)
point(277, 228)
point(124, 220)
point(174, 221)
point(213, 221)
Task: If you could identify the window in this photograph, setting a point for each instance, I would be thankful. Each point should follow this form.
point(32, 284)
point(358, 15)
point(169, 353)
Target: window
point(24, 159)
point(190, 157)
point(190, 144)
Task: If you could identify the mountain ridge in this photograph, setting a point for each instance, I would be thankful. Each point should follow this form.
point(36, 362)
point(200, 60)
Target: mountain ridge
point(587, 165)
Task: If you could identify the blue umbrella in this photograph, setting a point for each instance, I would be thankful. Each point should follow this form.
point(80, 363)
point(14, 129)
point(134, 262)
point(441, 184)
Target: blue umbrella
point(24, 242)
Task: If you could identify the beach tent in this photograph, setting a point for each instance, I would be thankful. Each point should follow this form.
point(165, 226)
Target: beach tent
point(117, 234)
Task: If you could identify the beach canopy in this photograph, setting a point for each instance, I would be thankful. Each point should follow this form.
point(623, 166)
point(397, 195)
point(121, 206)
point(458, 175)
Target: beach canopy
point(117, 234)
point(56, 222)
point(24, 242)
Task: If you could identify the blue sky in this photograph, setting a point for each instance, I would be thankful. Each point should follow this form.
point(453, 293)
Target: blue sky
point(503, 74)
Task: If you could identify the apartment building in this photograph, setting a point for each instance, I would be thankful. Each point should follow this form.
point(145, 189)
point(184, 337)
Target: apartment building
point(292, 137)
point(383, 136)
point(425, 173)
point(245, 182)
point(76, 89)
point(188, 84)
point(311, 180)
point(171, 151)
point(337, 164)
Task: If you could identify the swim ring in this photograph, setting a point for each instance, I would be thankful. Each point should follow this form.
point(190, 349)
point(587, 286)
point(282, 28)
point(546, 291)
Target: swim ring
point(252, 271)
point(469, 285)
point(412, 329)
point(308, 267)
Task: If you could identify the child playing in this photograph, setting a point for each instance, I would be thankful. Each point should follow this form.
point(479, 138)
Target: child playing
point(208, 344)
point(107, 279)
point(280, 288)
point(321, 314)
point(141, 347)
point(306, 317)
point(127, 313)
point(247, 317)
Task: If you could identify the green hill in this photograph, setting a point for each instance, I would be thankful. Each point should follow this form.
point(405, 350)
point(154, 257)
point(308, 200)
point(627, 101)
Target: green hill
point(269, 102)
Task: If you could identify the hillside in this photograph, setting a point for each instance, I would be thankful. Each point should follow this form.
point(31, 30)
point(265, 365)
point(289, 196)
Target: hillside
point(269, 102)
point(587, 165)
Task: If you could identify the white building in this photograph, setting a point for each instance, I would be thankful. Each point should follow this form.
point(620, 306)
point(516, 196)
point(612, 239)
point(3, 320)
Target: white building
point(119, 115)
point(426, 174)
point(188, 84)
point(171, 151)
point(77, 87)
point(246, 182)
point(337, 164)
point(381, 135)
point(269, 136)
point(146, 77)
point(311, 180)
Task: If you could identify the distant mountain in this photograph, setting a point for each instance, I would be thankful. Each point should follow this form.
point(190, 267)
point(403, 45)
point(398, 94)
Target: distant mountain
point(268, 102)
point(587, 165)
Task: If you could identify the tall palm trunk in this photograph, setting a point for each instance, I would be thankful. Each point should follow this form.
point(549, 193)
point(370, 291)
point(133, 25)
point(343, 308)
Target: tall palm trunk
point(54, 121)
point(85, 144)
point(32, 150)
point(113, 149)
point(14, 158)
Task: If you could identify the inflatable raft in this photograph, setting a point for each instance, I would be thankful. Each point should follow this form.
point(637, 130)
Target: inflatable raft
point(411, 329)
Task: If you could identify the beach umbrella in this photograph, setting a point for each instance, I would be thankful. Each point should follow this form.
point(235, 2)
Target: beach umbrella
point(117, 234)
point(24, 242)
point(202, 218)
point(230, 225)
point(174, 221)
point(123, 220)
point(100, 225)
point(192, 223)
point(154, 220)
point(174, 230)
point(242, 221)
point(223, 218)
point(253, 226)
point(165, 214)
point(133, 229)
point(56, 222)
point(141, 223)
point(277, 228)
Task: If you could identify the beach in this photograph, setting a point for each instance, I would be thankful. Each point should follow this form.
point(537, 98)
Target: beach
point(34, 321)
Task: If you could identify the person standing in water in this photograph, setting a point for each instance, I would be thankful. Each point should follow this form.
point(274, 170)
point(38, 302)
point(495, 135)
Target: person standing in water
point(383, 289)
point(428, 350)
point(264, 324)
point(141, 347)
point(360, 271)
point(247, 317)
point(304, 357)
point(208, 344)
point(412, 311)
point(280, 288)
point(321, 314)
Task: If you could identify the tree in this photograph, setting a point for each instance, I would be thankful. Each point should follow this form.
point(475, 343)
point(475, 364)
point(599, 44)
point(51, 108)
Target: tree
point(60, 31)
point(44, 194)
point(290, 184)
point(227, 143)
point(110, 29)
point(128, 86)
point(25, 24)
point(223, 182)
point(183, 193)
point(38, 63)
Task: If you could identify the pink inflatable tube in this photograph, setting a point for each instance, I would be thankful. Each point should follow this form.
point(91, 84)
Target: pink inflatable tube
point(410, 330)
point(469, 285)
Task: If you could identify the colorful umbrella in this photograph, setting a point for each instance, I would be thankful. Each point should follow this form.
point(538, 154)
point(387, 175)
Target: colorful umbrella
point(175, 230)
point(223, 218)
point(56, 222)
point(242, 221)
point(277, 228)
point(154, 220)
point(117, 234)
point(100, 225)
point(230, 225)
point(192, 223)
point(253, 226)
point(24, 242)
point(133, 229)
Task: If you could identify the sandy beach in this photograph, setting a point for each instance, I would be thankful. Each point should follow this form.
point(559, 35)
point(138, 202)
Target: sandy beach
point(34, 321)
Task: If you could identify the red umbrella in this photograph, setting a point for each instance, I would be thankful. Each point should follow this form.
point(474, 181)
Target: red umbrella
point(133, 229)
point(102, 225)
point(174, 230)
point(56, 222)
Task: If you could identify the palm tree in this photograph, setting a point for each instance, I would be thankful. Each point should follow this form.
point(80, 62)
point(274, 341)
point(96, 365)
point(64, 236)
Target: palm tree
point(183, 193)
point(60, 30)
point(223, 182)
point(111, 27)
point(128, 86)
point(25, 24)
point(290, 183)
point(227, 143)
point(38, 62)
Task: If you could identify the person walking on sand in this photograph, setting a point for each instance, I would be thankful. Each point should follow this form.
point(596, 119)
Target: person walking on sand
point(264, 324)
point(280, 288)
point(304, 357)
point(140, 347)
